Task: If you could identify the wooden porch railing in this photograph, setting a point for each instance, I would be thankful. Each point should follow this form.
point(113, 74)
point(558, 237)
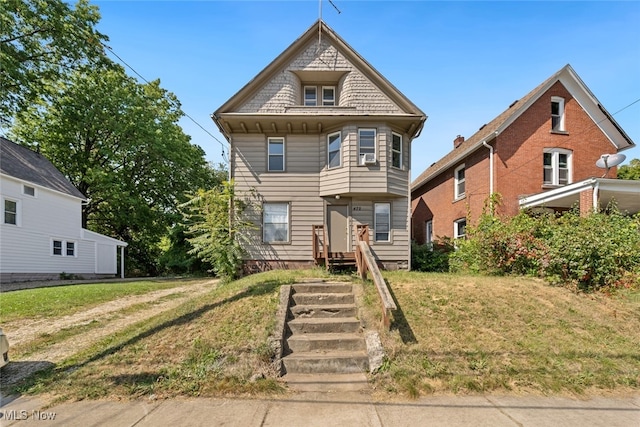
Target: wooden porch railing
point(366, 262)
point(320, 244)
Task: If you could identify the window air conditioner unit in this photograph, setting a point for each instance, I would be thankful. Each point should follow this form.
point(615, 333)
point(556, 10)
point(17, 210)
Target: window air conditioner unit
point(368, 159)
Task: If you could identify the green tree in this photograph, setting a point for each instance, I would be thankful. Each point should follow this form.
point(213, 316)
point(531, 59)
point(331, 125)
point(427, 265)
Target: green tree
point(630, 171)
point(40, 42)
point(120, 144)
point(217, 223)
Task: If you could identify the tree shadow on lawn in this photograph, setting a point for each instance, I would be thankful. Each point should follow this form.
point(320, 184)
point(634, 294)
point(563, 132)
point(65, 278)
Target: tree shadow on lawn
point(255, 290)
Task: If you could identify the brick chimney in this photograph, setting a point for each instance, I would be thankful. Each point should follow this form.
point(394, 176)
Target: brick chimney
point(459, 140)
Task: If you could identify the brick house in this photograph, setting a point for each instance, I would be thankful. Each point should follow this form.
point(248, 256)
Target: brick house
point(324, 143)
point(540, 152)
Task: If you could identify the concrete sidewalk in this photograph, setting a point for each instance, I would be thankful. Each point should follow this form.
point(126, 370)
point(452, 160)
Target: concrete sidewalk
point(330, 409)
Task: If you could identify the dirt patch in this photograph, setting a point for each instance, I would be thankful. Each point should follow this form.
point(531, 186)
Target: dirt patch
point(109, 317)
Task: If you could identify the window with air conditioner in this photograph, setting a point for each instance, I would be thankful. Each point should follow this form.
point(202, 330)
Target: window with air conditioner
point(366, 146)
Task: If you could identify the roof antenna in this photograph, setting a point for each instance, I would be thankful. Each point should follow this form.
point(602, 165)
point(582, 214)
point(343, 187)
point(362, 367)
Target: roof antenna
point(320, 19)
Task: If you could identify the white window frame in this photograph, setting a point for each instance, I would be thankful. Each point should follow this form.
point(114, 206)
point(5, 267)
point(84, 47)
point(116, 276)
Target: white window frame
point(367, 150)
point(17, 213)
point(64, 247)
point(32, 189)
point(396, 152)
point(275, 140)
point(428, 232)
point(329, 150)
point(560, 116)
point(456, 228)
point(265, 224)
point(375, 222)
point(457, 194)
point(329, 102)
point(308, 102)
point(555, 167)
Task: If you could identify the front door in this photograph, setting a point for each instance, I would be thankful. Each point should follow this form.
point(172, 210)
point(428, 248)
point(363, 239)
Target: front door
point(337, 223)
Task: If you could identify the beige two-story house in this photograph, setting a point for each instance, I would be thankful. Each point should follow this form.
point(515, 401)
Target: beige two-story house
point(324, 142)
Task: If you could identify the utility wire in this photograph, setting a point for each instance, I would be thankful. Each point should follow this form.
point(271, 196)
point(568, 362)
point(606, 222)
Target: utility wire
point(224, 156)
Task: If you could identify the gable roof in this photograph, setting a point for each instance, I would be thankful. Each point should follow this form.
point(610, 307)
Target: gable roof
point(580, 92)
point(27, 165)
point(319, 30)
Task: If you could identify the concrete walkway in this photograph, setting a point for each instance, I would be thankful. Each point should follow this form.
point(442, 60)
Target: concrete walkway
point(330, 409)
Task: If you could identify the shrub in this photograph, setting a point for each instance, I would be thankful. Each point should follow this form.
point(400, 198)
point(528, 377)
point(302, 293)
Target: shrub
point(590, 252)
point(431, 256)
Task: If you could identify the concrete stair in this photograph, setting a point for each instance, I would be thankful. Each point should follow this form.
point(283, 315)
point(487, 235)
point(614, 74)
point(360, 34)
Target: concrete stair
point(323, 334)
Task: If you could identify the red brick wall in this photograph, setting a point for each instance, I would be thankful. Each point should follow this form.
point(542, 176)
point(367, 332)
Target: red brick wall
point(518, 165)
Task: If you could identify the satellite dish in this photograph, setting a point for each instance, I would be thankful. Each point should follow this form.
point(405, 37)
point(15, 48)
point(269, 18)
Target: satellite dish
point(607, 161)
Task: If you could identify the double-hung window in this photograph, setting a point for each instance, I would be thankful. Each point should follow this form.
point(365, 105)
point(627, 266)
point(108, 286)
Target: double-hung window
point(275, 222)
point(10, 212)
point(557, 114)
point(382, 222)
point(333, 150)
point(460, 228)
point(459, 182)
point(63, 248)
point(396, 150)
point(276, 155)
point(556, 167)
point(366, 146)
point(310, 96)
point(328, 96)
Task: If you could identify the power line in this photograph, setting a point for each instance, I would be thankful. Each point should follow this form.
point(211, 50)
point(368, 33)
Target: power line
point(224, 156)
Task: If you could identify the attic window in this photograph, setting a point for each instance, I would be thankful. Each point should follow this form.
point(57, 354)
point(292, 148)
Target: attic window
point(557, 114)
point(327, 98)
point(29, 191)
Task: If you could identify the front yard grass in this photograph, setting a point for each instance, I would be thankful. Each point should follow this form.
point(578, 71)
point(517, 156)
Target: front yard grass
point(467, 334)
point(452, 334)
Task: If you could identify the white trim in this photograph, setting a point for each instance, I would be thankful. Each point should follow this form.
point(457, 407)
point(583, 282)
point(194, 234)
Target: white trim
point(304, 96)
point(18, 212)
point(24, 191)
point(401, 152)
point(457, 195)
point(555, 166)
point(375, 222)
point(333, 99)
point(276, 139)
point(561, 114)
point(63, 247)
point(363, 159)
point(329, 151)
point(288, 239)
point(456, 226)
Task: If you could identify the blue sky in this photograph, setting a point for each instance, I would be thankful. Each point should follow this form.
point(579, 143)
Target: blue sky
point(461, 62)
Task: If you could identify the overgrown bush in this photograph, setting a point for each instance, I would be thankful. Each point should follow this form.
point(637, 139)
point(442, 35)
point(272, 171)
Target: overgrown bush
point(431, 256)
point(589, 252)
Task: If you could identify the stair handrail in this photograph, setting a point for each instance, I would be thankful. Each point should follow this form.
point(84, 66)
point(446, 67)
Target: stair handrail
point(366, 262)
point(316, 242)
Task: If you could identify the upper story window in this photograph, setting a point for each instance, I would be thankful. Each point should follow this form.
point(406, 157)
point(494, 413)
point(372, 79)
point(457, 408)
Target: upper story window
point(275, 222)
point(460, 228)
point(28, 190)
point(327, 98)
point(396, 150)
point(366, 146)
point(10, 208)
point(275, 155)
point(557, 114)
point(382, 222)
point(557, 167)
point(310, 96)
point(334, 142)
point(459, 182)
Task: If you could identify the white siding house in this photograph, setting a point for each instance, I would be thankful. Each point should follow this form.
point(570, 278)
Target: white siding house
point(323, 140)
point(41, 234)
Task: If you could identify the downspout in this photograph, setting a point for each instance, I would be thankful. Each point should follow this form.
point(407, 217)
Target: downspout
point(490, 174)
point(596, 196)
